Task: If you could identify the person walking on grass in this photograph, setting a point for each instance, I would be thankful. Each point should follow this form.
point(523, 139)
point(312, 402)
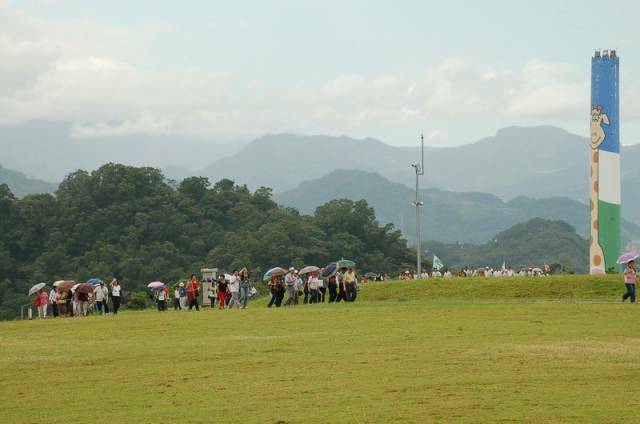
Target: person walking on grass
point(222, 292)
point(42, 301)
point(630, 282)
point(83, 303)
point(115, 295)
point(333, 288)
point(211, 294)
point(245, 285)
point(52, 301)
point(182, 292)
point(61, 300)
point(272, 290)
point(290, 286)
point(192, 294)
point(176, 299)
point(161, 299)
point(234, 288)
point(351, 284)
point(342, 291)
point(102, 298)
point(313, 282)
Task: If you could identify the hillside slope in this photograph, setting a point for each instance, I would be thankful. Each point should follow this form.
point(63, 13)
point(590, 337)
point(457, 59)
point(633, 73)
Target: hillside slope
point(447, 216)
point(21, 185)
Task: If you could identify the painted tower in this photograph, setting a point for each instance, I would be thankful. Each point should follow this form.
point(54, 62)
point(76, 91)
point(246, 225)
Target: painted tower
point(605, 163)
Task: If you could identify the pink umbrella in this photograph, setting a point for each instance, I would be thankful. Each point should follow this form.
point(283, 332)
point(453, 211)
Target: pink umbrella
point(627, 257)
point(155, 285)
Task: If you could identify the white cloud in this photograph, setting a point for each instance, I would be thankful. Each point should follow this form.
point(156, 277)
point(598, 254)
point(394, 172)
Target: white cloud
point(94, 77)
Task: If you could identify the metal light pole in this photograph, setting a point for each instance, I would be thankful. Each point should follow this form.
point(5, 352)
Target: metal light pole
point(419, 167)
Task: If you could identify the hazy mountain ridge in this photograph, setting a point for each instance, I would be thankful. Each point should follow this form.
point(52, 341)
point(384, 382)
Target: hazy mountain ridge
point(21, 185)
point(536, 162)
point(447, 216)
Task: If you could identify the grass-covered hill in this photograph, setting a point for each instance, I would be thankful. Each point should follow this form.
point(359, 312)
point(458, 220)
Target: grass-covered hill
point(460, 350)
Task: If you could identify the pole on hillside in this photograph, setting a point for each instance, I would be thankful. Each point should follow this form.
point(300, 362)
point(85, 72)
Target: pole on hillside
point(419, 168)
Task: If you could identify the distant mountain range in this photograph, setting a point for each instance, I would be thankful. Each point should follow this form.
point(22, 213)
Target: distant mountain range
point(468, 217)
point(49, 151)
point(536, 162)
point(22, 185)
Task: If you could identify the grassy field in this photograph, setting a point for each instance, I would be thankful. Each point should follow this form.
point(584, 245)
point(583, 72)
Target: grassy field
point(494, 350)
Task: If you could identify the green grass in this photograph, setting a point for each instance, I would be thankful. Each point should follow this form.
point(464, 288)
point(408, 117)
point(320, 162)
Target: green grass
point(408, 352)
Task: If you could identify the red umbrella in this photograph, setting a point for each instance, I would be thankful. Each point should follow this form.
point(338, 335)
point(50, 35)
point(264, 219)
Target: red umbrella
point(62, 286)
point(85, 288)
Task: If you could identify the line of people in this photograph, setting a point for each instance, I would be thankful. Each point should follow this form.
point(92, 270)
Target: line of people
point(342, 286)
point(70, 303)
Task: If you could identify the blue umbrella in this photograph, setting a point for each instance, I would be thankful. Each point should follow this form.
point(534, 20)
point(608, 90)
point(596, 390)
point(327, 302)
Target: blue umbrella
point(329, 270)
point(95, 281)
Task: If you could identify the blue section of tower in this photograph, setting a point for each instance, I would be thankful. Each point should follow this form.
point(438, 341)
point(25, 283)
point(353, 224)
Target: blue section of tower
point(605, 93)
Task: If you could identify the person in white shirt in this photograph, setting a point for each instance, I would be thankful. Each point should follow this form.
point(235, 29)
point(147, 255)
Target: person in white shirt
point(115, 295)
point(101, 295)
point(176, 299)
point(314, 284)
point(447, 274)
point(234, 288)
point(52, 301)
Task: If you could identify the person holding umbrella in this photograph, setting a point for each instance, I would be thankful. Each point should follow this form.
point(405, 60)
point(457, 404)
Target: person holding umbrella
point(42, 300)
point(630, 282)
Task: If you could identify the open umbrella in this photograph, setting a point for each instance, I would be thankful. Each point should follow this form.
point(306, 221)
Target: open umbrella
point(627, 257)
point(36, 288)
point(64, 285)
point(276, 272)
point(345, 263)
point(85, 288)
point(95, 281)
point(371, 275)
point(75, 287)
point(308, 269)
point(329, 270)
point(155, 285)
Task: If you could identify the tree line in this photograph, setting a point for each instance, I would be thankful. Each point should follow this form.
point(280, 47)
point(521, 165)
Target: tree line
point(133, 224)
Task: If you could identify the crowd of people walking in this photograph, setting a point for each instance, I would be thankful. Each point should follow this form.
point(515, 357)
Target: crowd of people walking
point(228, 291)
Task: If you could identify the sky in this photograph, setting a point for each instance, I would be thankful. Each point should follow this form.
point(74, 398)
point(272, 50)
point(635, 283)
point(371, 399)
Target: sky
point(231, 71)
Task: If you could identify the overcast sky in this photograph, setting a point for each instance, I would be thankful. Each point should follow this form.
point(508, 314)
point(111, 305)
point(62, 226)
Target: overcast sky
point(234, 70)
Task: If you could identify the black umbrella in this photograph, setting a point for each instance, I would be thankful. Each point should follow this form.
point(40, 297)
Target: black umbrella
point(329, 270)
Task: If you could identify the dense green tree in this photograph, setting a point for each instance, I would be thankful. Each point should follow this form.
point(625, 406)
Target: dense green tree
point(130, 223)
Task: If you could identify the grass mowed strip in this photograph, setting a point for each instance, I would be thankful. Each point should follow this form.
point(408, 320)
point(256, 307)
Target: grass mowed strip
point(383, 361)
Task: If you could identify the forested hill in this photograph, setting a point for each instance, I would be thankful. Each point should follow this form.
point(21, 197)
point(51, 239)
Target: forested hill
point(129, 223)
point(534, 242)
point(468, 217)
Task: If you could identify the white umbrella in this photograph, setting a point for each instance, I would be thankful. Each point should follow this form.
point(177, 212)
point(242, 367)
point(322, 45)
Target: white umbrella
point(155, 285)
point(73, 289)
point(36, 288)
point(308, 269)
point(57, 283)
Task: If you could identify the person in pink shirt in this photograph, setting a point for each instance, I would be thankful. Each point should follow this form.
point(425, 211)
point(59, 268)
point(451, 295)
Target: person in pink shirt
point(630, 283)
point(42, 300)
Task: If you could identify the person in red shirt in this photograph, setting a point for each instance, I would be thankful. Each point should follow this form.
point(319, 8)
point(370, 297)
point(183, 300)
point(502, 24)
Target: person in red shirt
point(193, 290)
point(42, 300)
